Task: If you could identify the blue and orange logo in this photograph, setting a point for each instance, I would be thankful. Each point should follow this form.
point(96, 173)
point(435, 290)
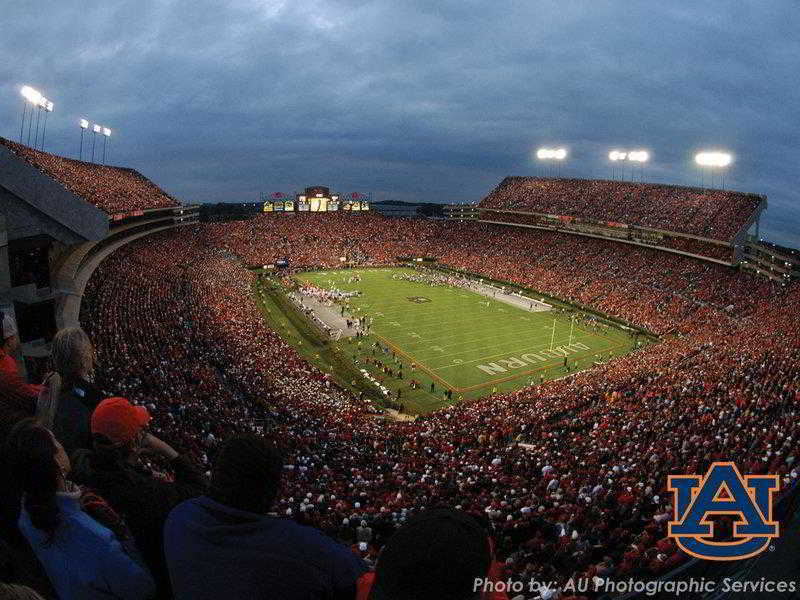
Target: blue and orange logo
point(723, 491)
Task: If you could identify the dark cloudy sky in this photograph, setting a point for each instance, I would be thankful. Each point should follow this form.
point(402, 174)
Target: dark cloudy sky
point(432, 100)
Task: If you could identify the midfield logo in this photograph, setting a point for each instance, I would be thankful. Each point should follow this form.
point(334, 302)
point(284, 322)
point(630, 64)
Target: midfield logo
point(723, 491)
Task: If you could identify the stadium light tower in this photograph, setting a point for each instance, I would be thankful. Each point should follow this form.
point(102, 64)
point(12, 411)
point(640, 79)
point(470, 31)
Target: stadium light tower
point(42, 104)
point(24, 112)
point(714, 160)
point(106, 135)
point(48, 108)
point(95, 130)
point(34, 97)
point(556, 155)
point(616, 156)
point(84, 123)
point(631, 156)
point(641, 157)
point(27, 93)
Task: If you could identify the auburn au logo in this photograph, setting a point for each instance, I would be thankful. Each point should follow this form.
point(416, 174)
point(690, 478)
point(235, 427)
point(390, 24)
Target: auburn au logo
point(723, 491)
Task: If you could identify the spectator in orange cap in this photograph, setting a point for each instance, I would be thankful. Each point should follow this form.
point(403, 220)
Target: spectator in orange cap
point(117, 470)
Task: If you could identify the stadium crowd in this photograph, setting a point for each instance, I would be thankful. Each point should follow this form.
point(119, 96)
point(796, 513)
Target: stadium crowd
point(717, 214)
point(111, 189)
point(565, 478)
point(708, 249)
point(643, 286)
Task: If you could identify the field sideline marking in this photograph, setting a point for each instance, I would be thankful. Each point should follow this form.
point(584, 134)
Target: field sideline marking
point(416, 361)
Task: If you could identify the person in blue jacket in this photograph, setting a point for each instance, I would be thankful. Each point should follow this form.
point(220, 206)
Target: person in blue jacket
point(226, 545)
point(83, 559)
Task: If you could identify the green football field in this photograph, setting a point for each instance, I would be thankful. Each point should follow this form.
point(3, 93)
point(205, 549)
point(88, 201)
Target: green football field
point(460, 340)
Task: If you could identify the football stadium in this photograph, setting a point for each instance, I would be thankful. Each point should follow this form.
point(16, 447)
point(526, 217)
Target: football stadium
point(567, 387)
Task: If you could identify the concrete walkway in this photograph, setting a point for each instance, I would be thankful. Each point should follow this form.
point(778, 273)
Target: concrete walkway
point(522, 302)
point(330, 315)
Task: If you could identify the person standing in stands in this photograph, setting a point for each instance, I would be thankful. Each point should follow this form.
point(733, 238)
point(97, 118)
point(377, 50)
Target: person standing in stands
point(17, 398)
point(441, 553)
point(364, 533)
point(83, 558)
point(69, 397)
point(226, 545)
point(114, 469)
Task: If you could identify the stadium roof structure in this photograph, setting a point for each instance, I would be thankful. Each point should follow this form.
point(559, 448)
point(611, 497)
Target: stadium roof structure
point(113, 190)
point(713, 214)
point(34, 203)
point(59, 218)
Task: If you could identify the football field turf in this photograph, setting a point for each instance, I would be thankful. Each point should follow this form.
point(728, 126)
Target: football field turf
point(462, 340)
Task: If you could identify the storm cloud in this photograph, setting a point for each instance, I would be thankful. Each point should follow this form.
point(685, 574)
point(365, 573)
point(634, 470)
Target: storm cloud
point(414, 100)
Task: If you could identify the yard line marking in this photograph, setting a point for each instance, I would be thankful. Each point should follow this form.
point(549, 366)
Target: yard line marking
point(507, 325)
point(514, 351)
point(438, 322)
point(574, 337)
point(482, 338)
point(586, 333)
point(479, 308)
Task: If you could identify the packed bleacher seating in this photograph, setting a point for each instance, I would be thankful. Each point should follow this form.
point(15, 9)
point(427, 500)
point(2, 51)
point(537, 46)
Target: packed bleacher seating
point(568, 476)
point(716, 214)
point(723, 252)
point(111, 189)
point(643, 286)
point(692, 246)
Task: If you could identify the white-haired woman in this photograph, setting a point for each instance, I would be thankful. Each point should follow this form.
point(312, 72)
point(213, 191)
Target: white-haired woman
point(66, 403)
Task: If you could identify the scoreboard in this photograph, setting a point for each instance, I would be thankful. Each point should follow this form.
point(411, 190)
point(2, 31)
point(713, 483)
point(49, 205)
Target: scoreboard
point(316, 199)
